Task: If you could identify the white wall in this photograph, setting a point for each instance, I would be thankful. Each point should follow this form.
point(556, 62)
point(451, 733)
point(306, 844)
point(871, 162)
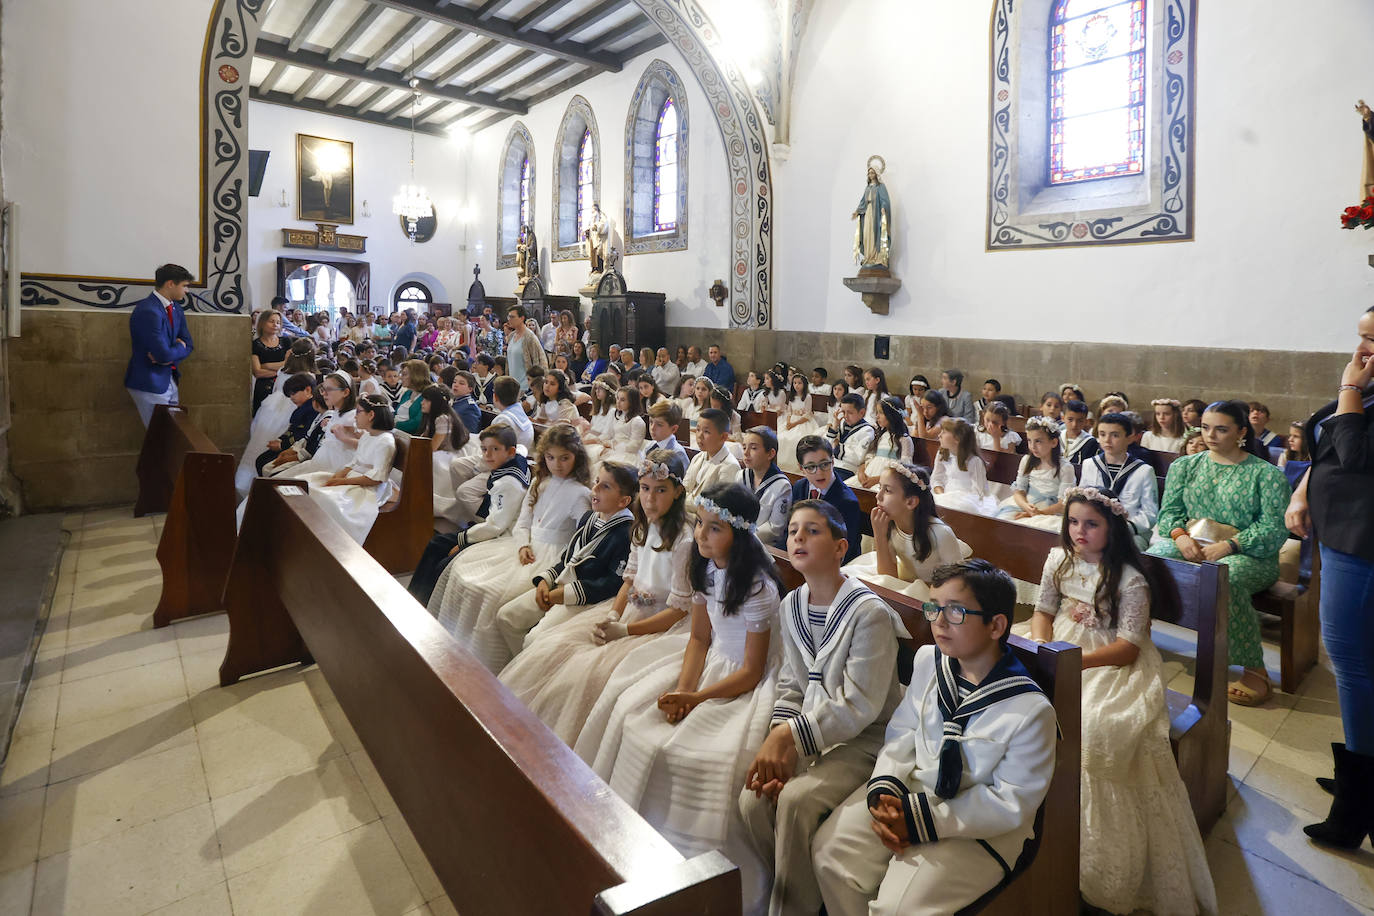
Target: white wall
point(102, 136)
point(684, 276)
point(381, 163)
point(1278, 158)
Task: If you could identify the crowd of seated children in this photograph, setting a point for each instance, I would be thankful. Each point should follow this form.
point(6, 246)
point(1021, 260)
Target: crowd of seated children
point(353, 494)
point(562, 674)
point(959, 477)
point(1037, 495)
point(891, 442)
point(909, 538)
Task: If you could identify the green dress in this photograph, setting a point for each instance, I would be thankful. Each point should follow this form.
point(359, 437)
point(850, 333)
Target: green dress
point(1252, 497)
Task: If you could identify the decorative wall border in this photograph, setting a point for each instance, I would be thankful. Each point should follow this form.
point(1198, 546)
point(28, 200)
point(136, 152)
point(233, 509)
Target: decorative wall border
point(518, 131)
point(657, 73)
point(1169, 215)
point(577, 107)
point(746, 154)
point(225, 61)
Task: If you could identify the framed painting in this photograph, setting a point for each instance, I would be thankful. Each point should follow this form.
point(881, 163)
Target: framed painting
point(324, 179)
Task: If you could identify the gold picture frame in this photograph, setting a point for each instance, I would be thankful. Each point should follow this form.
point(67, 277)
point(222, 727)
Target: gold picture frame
point(324, 179)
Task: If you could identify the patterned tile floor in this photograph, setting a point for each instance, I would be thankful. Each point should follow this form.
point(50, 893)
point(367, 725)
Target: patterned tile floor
point(136, 785)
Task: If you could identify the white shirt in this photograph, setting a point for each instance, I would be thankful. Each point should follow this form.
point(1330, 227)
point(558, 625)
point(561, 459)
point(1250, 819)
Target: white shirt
point(696, 369)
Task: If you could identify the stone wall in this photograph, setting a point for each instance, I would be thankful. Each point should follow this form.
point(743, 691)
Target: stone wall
point(76, 435)
point(1291, 384)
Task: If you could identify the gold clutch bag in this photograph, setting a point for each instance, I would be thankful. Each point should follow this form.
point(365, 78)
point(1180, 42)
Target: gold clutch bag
point(1205, 531)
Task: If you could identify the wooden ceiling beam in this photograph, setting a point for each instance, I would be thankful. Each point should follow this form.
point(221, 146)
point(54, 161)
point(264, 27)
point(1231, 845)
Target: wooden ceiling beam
point(308, 24)
point(395, 43)
point(354, 32)
point(356, 114)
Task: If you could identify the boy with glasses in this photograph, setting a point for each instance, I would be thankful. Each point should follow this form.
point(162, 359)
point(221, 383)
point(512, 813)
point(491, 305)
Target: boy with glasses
point(817, 460)
point(967, 763)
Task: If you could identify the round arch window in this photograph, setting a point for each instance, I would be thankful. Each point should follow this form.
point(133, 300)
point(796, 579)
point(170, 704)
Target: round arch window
point(412, 295)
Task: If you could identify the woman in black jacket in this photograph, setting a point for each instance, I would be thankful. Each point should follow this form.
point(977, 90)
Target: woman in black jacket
point(1335, 503)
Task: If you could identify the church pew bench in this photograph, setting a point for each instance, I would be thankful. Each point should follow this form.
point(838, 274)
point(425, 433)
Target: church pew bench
point(1045, 877)
point(1199, 728)
point(1001, 466)
point(406, 523)
point(1296, 603)
point(181, 472)
point(483, 784)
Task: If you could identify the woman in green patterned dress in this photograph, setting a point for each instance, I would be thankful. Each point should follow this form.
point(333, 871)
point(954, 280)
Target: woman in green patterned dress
point(1229, 483)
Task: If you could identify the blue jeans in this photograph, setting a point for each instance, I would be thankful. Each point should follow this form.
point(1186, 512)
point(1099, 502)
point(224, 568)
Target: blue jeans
point(1347, 612)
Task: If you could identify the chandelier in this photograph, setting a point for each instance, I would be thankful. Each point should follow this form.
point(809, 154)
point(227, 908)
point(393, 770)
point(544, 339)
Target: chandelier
point(412, 202)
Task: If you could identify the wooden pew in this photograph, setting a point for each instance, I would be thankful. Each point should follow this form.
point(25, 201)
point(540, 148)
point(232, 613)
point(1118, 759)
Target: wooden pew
point(1296, 605)
point(1002, 466)
point(1199, 728)
point(182, 473)
point(1045, 878)
point(483, 784)
point(405, 525)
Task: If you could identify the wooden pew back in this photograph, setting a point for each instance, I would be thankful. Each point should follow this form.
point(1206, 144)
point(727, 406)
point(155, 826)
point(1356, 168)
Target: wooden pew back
point(182, 473)
point(403, 529)
point(484, 785)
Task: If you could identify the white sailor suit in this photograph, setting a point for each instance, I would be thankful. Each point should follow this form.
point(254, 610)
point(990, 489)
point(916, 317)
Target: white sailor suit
point(774, 493)
point(470, 473)
point(836, 690)
point(851, 444)
point(705, 470)
point(590, 569)
point(962, 843)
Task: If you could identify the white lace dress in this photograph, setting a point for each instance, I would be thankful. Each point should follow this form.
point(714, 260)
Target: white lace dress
point(685, 779)
point(355, 507)
point(1140, 846)
point(486, 575)
point(788, 438)
point(445, 493)
point(913, 574)
point(966, 490)
point(561, 676)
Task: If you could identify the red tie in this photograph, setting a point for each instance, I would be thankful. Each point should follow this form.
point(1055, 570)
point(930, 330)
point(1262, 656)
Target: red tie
point(171, 320)
point(815, 494)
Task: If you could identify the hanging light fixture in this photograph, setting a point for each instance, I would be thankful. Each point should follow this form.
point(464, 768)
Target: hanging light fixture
point(412, 202)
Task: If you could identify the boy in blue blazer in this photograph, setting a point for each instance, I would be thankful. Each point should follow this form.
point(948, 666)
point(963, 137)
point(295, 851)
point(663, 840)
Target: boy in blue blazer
point(160, 340)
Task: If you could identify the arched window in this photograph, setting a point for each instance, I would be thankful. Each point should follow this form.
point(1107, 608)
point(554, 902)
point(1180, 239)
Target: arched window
point(665, 169)
point(413, 295)
point(656, 145)
point(586, 175)
point(576, 179)
point(515, 205)
point(1090, 136)
point(1097, 90)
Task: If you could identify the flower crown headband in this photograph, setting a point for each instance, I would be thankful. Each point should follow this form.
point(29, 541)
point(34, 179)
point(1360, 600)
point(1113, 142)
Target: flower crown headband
point(1044, 424)
point(658, 470)
point(605, 386)
point(1093, 494)
point(909, 474)
point(725, 515)
point(1166, 402)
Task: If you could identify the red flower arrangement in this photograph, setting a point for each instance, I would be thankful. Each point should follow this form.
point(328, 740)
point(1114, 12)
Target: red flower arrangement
point(1359, 216)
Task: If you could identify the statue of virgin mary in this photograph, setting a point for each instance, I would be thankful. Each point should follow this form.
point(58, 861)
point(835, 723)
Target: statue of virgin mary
point(872, 237)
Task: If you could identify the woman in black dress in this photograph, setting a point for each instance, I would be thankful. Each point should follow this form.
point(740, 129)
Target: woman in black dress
point(269, 354)
point(1335, 504)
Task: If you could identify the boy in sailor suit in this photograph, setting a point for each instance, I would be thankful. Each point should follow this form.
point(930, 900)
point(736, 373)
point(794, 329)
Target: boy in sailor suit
point(714, 463)
point(1077, 444)
point(590, 568)
point(767, 482)
point(967, 762)
point(1130, 479)
point(836, 690)
point(853, 437)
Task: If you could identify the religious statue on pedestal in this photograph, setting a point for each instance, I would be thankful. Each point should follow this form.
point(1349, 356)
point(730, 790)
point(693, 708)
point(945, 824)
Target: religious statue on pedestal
point(872, 237)
point(596, 240)
point(526, 257)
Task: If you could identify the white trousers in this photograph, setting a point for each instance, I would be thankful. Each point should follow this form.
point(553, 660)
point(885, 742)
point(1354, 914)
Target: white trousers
point(782, 834)
point(859, 877)
point(145, 401)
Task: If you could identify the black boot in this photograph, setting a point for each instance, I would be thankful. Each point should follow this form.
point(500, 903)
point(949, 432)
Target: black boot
point(1326, 782)
point(1351, 818)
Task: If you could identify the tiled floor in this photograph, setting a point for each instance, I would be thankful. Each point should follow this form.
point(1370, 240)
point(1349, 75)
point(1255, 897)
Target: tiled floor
point(136, 785)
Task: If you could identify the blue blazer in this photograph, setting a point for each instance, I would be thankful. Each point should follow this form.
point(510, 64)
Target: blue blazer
point(841, 497)
point(150, 333)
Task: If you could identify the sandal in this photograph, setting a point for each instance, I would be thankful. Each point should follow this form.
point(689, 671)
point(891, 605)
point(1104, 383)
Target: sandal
point(1242, 694)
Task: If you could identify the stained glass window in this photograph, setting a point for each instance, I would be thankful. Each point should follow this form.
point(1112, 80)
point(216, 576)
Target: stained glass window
point(525, 192)
point(1097, 89)
point(586, 175)
point(665, 169)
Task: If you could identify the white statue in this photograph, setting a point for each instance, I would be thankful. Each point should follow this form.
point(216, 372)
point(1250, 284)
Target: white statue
point(596, 240)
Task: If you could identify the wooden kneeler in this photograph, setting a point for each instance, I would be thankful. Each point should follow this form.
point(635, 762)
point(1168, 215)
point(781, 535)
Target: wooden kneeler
point(182, 473)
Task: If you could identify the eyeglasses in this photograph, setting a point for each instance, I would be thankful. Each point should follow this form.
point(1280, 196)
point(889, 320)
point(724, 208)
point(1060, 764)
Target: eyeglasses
point(954, 613)
point(818, 466)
